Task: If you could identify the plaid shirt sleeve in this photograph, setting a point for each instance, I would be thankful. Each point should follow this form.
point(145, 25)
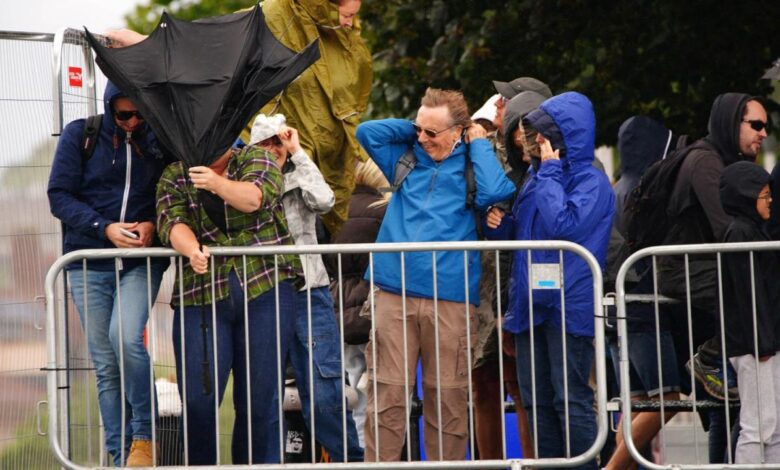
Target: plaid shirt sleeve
point(260, 170)
point(172, 201)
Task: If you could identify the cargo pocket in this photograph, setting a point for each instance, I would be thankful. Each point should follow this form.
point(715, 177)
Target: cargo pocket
point(462, 368)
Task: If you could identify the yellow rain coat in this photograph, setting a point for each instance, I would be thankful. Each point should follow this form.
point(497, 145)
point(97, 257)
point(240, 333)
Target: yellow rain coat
point(326, 101)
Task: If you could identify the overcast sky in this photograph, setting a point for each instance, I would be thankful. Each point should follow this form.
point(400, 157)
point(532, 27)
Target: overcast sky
point(47, 16)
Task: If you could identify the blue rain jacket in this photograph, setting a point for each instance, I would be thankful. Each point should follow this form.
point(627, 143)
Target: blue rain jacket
point(566, 199)
point(430, 206)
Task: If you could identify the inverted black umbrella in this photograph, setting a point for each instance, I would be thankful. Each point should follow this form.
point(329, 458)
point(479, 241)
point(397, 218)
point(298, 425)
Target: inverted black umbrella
point(198, 83)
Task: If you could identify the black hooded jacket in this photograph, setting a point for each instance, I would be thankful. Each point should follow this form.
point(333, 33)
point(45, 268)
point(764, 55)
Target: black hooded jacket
point(695, 202)
point(642, 141)
point(740, 186)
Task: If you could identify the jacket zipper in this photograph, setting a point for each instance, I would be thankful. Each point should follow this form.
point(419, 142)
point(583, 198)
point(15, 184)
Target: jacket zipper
point(128, 169)
point(126, 194)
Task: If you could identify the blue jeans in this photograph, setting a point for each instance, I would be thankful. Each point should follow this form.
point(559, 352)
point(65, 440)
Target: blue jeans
point(100, 319)
point(550, 398)
point(231, 351)
point(328, 387)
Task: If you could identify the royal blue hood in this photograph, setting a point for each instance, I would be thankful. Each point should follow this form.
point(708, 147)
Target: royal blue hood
point(569, 122)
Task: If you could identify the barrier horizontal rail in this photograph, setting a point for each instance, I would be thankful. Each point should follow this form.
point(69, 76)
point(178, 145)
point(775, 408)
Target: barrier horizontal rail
point(54, 365)
point(683, 254)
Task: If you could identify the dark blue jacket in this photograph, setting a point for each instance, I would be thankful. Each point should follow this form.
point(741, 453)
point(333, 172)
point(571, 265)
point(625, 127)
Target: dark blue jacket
point(88, 195)
point(566, 199)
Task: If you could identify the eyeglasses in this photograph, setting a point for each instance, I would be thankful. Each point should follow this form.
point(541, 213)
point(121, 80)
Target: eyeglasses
point(273, 141)
point(756, 124)
point(126, 115)
point(429, 132)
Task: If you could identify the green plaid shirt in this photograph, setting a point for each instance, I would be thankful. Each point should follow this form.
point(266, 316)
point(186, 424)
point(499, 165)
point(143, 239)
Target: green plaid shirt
point(177, 203)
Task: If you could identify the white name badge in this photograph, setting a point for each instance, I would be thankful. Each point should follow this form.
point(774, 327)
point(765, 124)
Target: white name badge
point(545, 276)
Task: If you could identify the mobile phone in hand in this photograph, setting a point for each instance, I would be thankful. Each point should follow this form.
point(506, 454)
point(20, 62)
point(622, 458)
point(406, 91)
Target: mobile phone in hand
point(128, 233)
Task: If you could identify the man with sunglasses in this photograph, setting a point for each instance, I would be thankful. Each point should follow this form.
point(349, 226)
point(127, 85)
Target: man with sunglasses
point(737, 127)
point(107, 200)
point(429, 205)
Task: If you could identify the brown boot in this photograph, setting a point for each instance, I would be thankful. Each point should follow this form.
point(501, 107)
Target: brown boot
point(140, 454)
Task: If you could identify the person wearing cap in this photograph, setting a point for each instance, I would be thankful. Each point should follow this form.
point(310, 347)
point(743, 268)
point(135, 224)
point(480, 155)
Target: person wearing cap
point(107, 201)
point(307, 195)
point(566, 198)
point(508, 90)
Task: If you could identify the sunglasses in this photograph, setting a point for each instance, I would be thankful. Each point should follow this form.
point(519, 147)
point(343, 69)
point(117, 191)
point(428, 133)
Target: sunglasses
point(429, 132)
point(126, 115)
point(274, 141)
point(756, 124)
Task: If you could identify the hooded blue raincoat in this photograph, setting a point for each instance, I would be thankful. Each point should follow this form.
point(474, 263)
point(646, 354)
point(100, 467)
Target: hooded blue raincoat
point(566, 199)
point(430, 206)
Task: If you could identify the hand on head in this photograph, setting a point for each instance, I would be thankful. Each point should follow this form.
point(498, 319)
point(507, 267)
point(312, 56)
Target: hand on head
point(289, 138)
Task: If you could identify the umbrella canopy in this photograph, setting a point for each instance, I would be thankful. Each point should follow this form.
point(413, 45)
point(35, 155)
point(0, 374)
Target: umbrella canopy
point(198, 83)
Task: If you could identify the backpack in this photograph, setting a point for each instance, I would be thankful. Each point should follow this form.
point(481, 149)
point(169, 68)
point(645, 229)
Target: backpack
point(90, 136)
point(646, 210)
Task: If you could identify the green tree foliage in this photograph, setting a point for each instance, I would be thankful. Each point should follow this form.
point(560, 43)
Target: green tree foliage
point(664, 58)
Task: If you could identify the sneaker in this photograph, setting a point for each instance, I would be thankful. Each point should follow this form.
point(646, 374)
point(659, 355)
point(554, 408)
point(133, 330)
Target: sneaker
point(711, 378)
point(140, 454)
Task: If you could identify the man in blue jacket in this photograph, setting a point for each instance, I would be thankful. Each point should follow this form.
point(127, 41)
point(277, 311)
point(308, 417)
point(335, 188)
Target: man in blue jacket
point(106, 200)
point(564, 198)
point(430, 205)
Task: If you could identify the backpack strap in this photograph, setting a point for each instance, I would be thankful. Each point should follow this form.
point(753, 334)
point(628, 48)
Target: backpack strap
point(403, 167)
point(90, 137)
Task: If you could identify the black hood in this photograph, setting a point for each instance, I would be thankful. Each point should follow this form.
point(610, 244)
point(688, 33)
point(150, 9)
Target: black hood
point(642, 141)
point(725, 121)
point(515, 110)
point(740, 185)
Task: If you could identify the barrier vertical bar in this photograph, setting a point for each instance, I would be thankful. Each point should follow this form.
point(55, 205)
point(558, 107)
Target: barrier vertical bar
point(407, 404)
point(564, 351)
point(531, 331)
point(122, 391)
point(343, 364)
point(247, 356)
point(183, 360)
point(470, 391)
point(724, 360)
point(756, 356)
point(437, 347)
point(500, 338)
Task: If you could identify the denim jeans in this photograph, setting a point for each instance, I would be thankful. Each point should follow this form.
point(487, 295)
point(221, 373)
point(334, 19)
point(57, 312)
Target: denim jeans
point(231, 354)
point(100, 319)
point(550, 398)
point(328, 387)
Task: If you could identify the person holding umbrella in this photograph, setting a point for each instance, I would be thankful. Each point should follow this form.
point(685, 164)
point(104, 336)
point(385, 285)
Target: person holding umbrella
point(244, 208)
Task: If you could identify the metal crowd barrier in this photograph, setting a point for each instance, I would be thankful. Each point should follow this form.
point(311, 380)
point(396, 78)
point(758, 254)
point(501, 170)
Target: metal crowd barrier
point(64, 413)
point(694, 402)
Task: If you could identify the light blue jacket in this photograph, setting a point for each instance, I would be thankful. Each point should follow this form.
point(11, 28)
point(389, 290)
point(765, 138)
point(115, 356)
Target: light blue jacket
point(566, 199)
point(430, 206)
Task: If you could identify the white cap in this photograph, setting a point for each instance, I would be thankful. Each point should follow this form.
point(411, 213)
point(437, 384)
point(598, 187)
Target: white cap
point(265, 127)
point(488, 110)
